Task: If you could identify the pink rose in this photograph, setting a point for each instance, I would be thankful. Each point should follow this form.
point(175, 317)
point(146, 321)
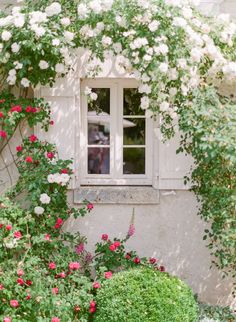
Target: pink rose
point(52, 265)
point(89, 206)
point(59, 223)
point(34, 110)
point(93, 304)
point(51, 122)
point(8, 227)
point(92, 309)
point(1, 287)
point(47, 237)
point(116, 244)
point(7, 319)
point(17, 234)
point(137, 260)
point(80, 248)
point(28, 159)
point(1, 115)
point(55, 319)
point(3, 134)
point(28, 109)
point(104, 237)
point(108, 274)
point(55, 290)
point(112, 247)
point(14, 303)
point(74, 265)
point(16, 108)
point(20, 272)
point(33, 138)
point(19, 148)
point(50, 155)
point(96, 285)
point(62, 275)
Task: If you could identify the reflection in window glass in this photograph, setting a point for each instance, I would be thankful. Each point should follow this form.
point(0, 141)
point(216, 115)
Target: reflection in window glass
point(131, 102)
point(134, 131)
point(98, 133)
point(134, 161)
point(102, 103)
point(98, 160)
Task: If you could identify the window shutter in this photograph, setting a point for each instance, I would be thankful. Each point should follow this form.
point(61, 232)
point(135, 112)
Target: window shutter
point(173, 167)
point(63, 112)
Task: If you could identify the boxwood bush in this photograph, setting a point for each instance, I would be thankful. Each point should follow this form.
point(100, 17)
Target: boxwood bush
point(144, 294)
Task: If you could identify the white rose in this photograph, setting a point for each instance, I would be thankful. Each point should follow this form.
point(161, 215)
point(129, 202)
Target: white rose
point(87, 90)
point(60, 68)
point(82, 10)
point(144, 102)
point(164, 106)
point(144, 88)
point(196, 55)
point(44, 198)
point(117, 47)
point(95, 5)
point(65, 177)
point(25, 82)
point(53, 9)
point(153, 26)
point(57, 178)
point(18, 65)
point(56, 42)
point(93, 96)
point(15, 47)
point(65, 21)
point(6, 35)
point(106, 41)
point(19, 20)
point(179, 22)
point(51, 178)
point(37, 17)
point(163, 67)
point(69, 36)
point(39, 31)
point(38, 210)
point(43, 64)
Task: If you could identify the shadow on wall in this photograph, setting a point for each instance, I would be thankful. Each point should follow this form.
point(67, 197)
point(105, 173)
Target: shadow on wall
point(171, 232)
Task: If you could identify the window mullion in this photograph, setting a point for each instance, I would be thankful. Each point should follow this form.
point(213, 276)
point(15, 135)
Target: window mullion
point(119, 131)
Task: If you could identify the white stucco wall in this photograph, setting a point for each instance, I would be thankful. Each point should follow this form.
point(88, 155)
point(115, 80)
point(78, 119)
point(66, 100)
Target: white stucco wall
point(170, 229)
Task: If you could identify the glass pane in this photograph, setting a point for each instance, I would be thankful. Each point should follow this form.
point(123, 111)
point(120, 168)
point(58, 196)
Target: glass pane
point(102, 103)
point(98, 160)
point(134, 131)
point(98, 133)
point(131, 102)
point(134, 161)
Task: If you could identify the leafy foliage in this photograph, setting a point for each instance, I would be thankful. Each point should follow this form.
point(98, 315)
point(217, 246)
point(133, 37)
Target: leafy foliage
point(217, 313)
point(145, 295)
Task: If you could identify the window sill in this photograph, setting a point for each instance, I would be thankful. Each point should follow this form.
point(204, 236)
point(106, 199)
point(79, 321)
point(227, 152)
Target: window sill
point(117, 195)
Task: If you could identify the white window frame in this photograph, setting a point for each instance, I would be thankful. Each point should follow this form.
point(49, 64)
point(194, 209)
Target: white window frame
point(116, 176)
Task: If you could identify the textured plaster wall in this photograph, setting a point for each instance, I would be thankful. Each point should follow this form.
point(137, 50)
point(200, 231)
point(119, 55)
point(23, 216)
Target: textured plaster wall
point(169, 230)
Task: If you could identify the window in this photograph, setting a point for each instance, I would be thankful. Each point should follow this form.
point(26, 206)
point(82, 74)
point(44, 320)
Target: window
point(115, 135)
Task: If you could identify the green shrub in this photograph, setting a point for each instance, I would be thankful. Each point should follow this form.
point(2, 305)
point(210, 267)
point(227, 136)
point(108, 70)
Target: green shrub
point(145, 295)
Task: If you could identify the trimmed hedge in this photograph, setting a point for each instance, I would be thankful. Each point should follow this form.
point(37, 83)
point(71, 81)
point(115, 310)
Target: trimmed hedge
point(144, 294)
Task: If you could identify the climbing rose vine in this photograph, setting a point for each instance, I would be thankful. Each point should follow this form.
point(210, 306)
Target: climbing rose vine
point(179, 58)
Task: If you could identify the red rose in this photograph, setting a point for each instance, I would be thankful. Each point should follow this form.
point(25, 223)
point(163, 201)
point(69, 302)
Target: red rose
point(89, 206)
point(14, 303)
point(108, 274)
point(116, 244)
point(1, 225)
point(28, 297)
point(20, 281)
point(20, 272)
point(105, 237)
point(162, 269)
point(137, 260)
point(92, 309)
point(8, 227)
point(50, 155)
point(55, 319)
point(152, 260)
point(62, 275)
point(3, 134)
point(29, 282)
point(17, 234)
point(16, 108)
point(34, 110)
point(7, 319)
point(51, 122)
point(64, 170)
point(58, 224)
point(55, 290)
point(74, 265)
point(33, 138)
point(52, 265)
point(96, 285)
point(28, 159)
point(112, 247)
point(28, 109)
point(1, 115)
point(19, 148)
point(93, 304)
point(1, 287)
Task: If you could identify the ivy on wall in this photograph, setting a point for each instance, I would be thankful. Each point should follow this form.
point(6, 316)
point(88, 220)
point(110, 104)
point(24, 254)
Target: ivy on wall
point(180, 58)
